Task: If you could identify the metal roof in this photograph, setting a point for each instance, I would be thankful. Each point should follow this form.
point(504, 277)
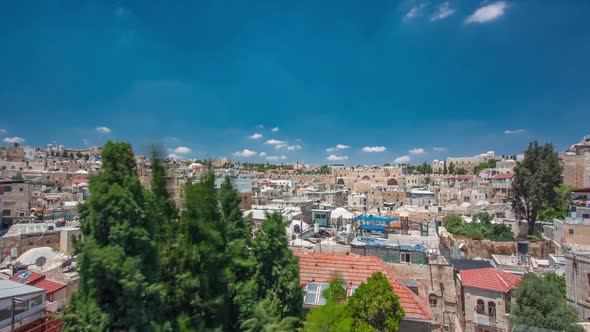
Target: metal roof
point(10, 288)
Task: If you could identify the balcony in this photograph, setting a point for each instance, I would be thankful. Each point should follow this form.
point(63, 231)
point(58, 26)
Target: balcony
point(484, 320)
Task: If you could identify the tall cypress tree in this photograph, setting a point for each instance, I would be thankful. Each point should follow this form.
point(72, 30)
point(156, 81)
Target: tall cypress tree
point(118, 258)
point(199, 292)
point(278, 271)
point(242, 290)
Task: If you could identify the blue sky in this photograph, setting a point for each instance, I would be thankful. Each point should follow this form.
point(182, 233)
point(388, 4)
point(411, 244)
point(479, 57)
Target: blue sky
point(416, 79)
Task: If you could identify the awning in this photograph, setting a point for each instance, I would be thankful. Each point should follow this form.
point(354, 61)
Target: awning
point(372, 228)
point(374, 219)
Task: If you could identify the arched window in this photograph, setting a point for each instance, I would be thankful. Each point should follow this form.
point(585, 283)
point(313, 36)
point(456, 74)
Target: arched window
point(492, 310)
point(480, 307)
point(432, 299)
point(340, 181)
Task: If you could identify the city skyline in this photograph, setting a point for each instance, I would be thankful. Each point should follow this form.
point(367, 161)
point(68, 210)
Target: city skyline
point(339, 83)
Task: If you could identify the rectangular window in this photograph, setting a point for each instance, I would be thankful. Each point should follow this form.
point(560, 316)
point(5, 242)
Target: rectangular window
point(405, 257)
point(571, 231)
point(5, 313)
point(352, 290)
point(35, 301)
point(21, 306)
point(313, 294)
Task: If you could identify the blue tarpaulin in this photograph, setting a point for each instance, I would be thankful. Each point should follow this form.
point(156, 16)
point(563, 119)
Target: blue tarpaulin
point(372, 228)
point(374, 219)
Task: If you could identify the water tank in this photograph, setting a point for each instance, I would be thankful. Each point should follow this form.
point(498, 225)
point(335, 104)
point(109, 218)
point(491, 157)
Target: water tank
point(523, 247)
point(316, 228)
point(349, 228)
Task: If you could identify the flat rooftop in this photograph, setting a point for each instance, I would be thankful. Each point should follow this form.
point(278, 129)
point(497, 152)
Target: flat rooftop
point(9, 288)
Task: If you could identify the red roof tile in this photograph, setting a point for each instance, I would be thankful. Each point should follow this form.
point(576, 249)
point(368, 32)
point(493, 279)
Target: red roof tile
point(490, 278)
point(27, 277)
point(79, 181)
point(356, 270)
point(504, 176)
point(49, 286)
point(38, 280)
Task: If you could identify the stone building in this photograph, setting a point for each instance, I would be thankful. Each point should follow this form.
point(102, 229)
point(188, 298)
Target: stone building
point(469, 163)
point(576, 164)
point(486, 299)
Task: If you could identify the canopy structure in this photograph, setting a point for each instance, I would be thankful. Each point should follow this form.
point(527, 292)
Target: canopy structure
point(373, 219)
point(372, 228)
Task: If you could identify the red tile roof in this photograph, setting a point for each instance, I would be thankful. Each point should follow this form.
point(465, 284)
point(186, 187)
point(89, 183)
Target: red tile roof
point(79, 181)
point(356, 270)
point(30, 277)
point(504, 176)
point(49, 286)
point(38, 280)
point(490, 279)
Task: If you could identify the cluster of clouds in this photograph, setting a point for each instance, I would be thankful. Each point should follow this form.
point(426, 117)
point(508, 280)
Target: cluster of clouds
point(179, 152)
point(484, 14)
point(11, 140)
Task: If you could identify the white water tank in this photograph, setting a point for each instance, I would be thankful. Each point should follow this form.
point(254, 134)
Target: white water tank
point(349, 228)
point(316, 227)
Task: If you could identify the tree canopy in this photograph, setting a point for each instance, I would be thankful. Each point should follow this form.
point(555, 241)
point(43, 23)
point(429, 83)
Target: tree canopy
point(533, 183)
point(541, 303)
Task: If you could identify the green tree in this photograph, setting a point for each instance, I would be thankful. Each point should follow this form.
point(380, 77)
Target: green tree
point(277, 273)
point(333, 316)
point(199, 265)
point(18, 176)
point(64, 154)
point(461, 171)
point(558, 281)
point(386, 165)
point(374, 306)
point(540, 303)
point(561, 207)
point(242, 288)
point(118, 259)
point(324, 170)
point(453, 223)
point(533, 183)
point(445, 168)
point(483, 217)
point(79, 155)
point(501, 233)
point(451, 168)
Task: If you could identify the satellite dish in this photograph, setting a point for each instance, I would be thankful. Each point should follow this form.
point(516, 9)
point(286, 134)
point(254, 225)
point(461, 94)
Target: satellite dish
point(40, 261)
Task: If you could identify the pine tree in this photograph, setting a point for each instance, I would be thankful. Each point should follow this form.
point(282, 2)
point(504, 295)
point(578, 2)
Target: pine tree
point(278, 270)
point(242, 286)
point(199, 291)
point(118, 259)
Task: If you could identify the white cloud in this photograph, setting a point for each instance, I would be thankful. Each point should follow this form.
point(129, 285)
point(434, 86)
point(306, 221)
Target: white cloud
point(262, 154)
point(275, 129)
point(337, 147)
point(415, 11)
point(182, 150)
point(2, 131)
point(103, 130)
point(514, 132)
point(334, 157)
point(402, 160)
point(173, 156)
point(443, 11)
point(487, 13)
point(245, 153)
point(255, 136)
point(374, 149)
point(260, 126)
point(85, 142)
point(294, 147)
point(283, 157)
point(275, 142)
point(12, 140)
point(417, 151)
point(439, 149)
